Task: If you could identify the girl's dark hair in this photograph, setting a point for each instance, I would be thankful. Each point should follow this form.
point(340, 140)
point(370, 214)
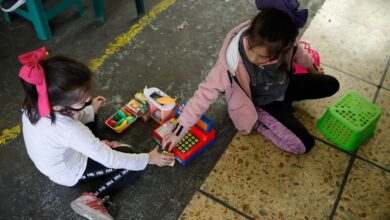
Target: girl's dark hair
point(68, 82)
point(273, 29)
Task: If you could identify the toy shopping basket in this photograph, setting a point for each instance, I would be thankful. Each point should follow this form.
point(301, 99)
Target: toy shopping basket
point(313, 53)
point(350, 121)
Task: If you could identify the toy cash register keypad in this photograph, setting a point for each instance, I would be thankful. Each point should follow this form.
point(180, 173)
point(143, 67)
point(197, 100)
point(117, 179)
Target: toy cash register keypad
point(188, 141)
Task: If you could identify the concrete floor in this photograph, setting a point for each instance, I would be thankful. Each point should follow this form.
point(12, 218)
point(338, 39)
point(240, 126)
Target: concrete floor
point(175, 61)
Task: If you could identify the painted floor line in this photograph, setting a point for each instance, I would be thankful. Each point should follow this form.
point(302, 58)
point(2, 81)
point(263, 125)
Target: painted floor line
point(9, 134)
point(125, 38)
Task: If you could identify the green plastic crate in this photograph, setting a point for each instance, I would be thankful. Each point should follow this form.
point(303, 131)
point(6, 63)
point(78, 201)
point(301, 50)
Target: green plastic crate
point(350, 121)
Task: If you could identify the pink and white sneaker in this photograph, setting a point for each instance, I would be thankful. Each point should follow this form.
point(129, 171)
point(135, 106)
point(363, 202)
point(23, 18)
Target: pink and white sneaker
point(91, 207)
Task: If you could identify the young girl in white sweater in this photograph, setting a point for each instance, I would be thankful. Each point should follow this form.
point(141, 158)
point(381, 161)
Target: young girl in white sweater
point(58, 142)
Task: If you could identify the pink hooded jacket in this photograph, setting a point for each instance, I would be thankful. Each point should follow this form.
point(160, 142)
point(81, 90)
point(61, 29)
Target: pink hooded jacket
point(240, 106)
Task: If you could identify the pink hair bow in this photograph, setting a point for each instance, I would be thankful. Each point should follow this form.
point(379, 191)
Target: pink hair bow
point(32, 72)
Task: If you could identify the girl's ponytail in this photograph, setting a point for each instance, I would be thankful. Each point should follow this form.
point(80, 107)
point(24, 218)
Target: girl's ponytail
point(30, 104)
point(57, 81)
point(34, 83)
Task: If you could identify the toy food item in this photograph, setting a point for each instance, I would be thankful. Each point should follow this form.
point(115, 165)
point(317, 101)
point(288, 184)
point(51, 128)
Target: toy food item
point(141, 97)
point(134, 106)
point(116, 117)
point(166, 153)
point(122, 126)
point(126, 111)
point(144, 105)
point(121, 114)
point(119, 122)
point(166, 100)
point(111, 122)
point(130, 119)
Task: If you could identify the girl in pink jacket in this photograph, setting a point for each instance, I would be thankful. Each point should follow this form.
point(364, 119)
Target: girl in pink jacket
point(254, 70)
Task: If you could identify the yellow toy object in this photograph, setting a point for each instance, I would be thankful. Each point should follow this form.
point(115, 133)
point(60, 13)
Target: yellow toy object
point(141, 97)
point(122, 126)
point(166, 100)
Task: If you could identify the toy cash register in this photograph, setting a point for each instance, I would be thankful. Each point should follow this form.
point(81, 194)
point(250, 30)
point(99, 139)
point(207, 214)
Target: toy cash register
point(197, 139)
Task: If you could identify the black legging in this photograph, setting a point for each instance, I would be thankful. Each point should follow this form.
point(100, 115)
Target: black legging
point(301, 87)
point(117, 178)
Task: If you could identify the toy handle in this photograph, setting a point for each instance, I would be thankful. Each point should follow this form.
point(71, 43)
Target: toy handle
point(313, 53)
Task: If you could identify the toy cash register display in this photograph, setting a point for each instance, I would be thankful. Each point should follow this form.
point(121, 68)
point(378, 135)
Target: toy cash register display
point(197, 139)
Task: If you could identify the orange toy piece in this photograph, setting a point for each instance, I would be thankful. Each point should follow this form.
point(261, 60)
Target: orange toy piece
point(166, 100)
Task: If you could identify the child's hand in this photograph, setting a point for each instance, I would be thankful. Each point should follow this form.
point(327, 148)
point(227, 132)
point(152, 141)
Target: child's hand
point(316, 69)
point(319, 70)
point(170, 141)
point(158, 159)
point(98, 102)
point(115, 144)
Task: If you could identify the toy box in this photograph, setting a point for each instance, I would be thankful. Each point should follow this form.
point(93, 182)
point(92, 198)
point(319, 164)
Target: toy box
point(139, 106)
point(128, 114)
point(159, 112)
point(121, 120)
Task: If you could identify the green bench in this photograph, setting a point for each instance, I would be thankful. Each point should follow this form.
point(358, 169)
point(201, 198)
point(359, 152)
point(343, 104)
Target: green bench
point(36, 13)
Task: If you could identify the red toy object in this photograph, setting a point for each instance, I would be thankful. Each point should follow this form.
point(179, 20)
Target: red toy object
point(111, 122)
point(313, 53)
point(193, 143)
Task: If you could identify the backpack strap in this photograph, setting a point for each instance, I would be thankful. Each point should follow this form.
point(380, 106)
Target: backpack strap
point(292, 69)
point(251, 68)
point(233, 77)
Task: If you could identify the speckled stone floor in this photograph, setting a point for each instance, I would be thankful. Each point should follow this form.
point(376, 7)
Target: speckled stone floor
point(255, 180)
